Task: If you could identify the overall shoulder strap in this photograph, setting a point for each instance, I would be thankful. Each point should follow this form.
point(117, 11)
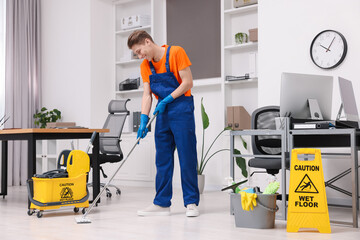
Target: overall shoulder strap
point(167, 64)
point(152, 68)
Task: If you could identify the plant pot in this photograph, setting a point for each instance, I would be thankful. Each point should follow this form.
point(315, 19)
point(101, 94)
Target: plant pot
point(201, 183)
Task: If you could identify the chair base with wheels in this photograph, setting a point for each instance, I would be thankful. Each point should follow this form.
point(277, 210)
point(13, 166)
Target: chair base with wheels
point(104, 158)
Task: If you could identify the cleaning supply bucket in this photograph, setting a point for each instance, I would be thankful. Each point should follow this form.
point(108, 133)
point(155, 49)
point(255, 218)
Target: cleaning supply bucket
point(263, 215)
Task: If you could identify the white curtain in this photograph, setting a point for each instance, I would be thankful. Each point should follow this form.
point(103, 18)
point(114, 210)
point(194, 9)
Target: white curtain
point(22, 78)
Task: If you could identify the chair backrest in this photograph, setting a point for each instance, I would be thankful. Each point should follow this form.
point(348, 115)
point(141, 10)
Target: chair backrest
point(110, 141)
point(264, 118)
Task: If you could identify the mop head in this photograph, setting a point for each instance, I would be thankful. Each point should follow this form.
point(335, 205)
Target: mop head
point(272, 188)
point(80, 220)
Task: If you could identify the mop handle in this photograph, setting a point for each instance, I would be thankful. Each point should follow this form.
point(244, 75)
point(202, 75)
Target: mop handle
point(90, 145)
point(117, 170)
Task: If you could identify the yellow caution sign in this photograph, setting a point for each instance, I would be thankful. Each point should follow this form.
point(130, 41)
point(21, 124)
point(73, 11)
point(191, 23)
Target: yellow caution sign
point(307, 197)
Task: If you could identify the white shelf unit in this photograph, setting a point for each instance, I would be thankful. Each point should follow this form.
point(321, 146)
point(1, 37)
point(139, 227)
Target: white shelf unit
point(127, 31)
point(130, 68)
point(230, 10)
point(235, 58)
point(207, 82)
point(125, 66)
point(241, 46)
point(250, 80)
point(46, 155)
point(137, 62)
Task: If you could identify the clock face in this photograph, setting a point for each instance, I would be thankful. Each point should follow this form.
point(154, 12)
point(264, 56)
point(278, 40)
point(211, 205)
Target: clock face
point(328, 49)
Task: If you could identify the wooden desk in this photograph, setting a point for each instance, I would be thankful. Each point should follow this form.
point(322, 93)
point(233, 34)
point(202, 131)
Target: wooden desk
point(33, 134)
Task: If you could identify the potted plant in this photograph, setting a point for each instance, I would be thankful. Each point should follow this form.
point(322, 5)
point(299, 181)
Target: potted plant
point(45, 116)
point(205, 154)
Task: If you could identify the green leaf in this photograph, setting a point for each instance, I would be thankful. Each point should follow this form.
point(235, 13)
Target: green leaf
point(240, 161)
point(244, 143)
point(227, 128)
point(43, 109)
point(58, 113)
point(204, 116)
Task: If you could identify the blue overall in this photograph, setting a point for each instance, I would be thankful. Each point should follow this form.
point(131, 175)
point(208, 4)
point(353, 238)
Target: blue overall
point(174, 128)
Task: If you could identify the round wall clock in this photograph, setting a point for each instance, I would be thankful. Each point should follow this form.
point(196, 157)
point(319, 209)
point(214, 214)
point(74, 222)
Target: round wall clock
point(328, 49)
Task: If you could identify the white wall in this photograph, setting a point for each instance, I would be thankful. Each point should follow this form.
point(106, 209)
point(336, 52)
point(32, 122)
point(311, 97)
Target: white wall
point(77, 59)
point(286, 30)
point(102, 60)
point(66, 55)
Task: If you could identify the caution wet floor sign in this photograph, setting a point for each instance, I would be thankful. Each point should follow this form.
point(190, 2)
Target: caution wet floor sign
point(307, 197)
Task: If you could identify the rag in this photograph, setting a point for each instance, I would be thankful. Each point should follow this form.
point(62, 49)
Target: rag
point(272, 188)
point(248, 199)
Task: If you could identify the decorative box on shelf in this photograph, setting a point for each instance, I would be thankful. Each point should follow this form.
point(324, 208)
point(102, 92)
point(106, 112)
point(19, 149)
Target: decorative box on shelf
point(253, 35)
point(135, 21)
point(60, 124)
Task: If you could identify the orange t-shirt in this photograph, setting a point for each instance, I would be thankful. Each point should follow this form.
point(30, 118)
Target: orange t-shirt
point(178, 61)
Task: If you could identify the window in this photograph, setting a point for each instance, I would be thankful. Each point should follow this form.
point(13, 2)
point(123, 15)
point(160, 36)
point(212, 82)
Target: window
point(2, 57)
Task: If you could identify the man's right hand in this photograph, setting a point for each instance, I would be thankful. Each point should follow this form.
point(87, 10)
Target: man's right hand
point(144, 119)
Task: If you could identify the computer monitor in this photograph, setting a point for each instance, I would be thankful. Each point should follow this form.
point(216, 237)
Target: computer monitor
point(348, 100)
point(297, 88)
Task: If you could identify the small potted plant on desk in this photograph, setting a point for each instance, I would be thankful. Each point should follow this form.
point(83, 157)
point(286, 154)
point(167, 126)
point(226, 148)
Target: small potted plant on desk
point(45, 116)
point(205, 157)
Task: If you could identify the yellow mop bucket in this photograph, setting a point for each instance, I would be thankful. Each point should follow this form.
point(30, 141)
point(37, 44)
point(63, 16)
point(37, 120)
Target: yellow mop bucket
point(53, 193)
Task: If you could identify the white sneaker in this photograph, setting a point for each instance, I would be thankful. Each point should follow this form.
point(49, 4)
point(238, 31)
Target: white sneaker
point(154, 210)
point(192, 211)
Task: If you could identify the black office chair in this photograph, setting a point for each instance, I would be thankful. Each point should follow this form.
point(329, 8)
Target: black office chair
point(264, 118)
point(110, 150)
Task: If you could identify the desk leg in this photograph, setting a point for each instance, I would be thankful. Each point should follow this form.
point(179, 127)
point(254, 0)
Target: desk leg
point(283, 173)
point(354, 178)
point(232, 170)
point(96, 168)
point(4, 167)
point(31, 159)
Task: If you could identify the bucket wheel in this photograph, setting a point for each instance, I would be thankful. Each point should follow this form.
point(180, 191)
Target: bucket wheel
point(83, 210)
point(76, 209)
point(30, 212)
point(39, 214)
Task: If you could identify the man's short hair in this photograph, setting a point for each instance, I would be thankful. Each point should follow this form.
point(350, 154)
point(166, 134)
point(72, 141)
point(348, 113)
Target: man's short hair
point(138, 37)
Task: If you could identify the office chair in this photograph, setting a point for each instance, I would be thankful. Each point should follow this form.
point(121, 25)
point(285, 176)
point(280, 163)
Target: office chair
point(110, 150)
point(264, 118)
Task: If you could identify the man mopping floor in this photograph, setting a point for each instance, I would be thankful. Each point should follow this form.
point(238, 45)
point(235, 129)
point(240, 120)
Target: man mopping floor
point(166, 74)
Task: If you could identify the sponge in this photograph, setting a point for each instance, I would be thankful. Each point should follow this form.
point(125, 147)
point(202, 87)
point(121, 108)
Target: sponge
point(272, 188)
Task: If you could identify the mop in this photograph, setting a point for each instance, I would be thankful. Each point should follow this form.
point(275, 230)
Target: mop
point(83, 218)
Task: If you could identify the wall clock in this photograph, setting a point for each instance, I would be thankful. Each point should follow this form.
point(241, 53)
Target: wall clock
point(328, 49)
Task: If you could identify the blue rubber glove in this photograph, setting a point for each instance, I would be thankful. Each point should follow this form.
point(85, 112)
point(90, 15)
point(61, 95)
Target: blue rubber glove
point(162, 105)
point(144, 119)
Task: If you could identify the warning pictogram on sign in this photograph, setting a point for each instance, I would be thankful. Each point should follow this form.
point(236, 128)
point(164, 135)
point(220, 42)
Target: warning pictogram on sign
point(306, 186)
point(66, 193)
